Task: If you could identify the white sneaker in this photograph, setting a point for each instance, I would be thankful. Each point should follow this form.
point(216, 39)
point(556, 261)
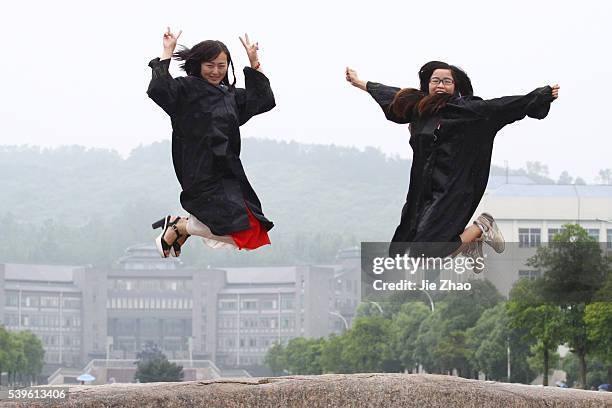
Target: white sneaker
point(490, 232)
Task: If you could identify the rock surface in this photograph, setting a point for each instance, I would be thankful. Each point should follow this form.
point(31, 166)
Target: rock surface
point(330, 390)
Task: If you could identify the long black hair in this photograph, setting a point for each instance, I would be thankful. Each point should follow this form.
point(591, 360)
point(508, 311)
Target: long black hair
point(204, 51)
point(410, 102)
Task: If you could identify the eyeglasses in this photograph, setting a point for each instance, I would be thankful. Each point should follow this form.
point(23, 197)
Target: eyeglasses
point(445, 81)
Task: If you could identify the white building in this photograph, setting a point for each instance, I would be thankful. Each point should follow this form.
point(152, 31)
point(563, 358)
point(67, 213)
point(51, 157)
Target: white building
point(530, 214)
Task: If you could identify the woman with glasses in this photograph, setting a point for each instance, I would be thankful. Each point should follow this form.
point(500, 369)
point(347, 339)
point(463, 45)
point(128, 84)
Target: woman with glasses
point(206, 111)
point(451, 134)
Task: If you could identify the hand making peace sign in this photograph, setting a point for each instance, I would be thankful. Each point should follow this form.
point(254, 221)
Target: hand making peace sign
point(251, 49)
point(170, 39)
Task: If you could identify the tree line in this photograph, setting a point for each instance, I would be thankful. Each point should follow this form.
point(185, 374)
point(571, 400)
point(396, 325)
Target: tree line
point(480, 332)
point(69, 204)
point(21, 357)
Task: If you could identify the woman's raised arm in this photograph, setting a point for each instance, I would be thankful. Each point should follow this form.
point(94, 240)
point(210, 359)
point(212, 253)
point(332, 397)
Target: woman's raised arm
point(169, 43)
point(251, 50)
point(163, 89)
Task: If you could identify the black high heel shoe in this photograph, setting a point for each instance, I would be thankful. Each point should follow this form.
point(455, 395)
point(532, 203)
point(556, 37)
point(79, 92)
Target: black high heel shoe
point(162, 245)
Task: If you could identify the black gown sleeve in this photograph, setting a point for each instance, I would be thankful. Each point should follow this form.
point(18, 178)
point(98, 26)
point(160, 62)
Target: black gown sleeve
point(163, 89)
point(507, 109)
point(383, 95)
point(256, 98)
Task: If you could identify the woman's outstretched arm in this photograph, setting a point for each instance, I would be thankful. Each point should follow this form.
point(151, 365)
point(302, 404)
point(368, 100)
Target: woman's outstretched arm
point(382, 94)
point(507, 109)
point(353, 79)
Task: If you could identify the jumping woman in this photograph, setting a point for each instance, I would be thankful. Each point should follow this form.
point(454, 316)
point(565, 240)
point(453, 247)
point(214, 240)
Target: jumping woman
point(451, 135)
point(206, 111)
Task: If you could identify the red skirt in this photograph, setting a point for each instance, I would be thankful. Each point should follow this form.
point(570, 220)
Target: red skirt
point(251, 238)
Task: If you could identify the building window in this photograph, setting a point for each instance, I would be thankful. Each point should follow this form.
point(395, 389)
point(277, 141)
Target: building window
point(48, 301)
point(552, 232)
point(268, 304)
point(529, 237)
point(593, 233)
point(11, 319)
point(287, 323)
point(72, 303)
point(609, 243)
point(30, 301)
point(227, 305)
point(12, 299)
point(249, 305)
point(286, 302)
point(529, 274)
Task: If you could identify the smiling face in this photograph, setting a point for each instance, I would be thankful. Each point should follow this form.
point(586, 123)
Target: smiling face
point(442, 81)
point(214, 71)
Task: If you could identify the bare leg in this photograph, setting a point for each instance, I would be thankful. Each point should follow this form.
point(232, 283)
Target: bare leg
point(470, 234)
point(195, 227)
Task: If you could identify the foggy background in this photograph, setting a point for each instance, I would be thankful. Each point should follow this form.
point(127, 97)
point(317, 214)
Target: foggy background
point(76, 73)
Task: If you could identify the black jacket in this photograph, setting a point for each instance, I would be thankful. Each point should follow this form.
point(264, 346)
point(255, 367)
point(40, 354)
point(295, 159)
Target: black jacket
point(206, 143)
point(451, 160)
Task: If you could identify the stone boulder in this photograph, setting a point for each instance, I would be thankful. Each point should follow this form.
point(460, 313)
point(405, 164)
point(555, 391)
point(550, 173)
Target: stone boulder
point(330, 390)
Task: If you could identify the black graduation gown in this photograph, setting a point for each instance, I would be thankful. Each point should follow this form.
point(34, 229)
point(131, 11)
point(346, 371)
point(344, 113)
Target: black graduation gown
point(206, 143)
point(451, 161)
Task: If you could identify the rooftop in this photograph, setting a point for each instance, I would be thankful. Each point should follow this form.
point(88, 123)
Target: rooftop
point(40, 273)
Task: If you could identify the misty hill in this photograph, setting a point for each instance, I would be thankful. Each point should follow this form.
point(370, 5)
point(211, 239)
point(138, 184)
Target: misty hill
point(87, 205)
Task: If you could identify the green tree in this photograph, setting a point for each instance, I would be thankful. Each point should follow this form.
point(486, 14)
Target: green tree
point(333, 355)
point(605, 176)
point(520, 351)
point(565, 178)
point(4, 350)
point(153, 366)
point(598, 319)
point(34, 354)
point(405, 326)
point(541, 321)
point(367, 347)
point(442, 341)
point(487, 341)
point(430, 332)
point(275, 359)
point(574, 269)
point(597, 371)
point(16, 359)
point(302, 355)
point(536, 359)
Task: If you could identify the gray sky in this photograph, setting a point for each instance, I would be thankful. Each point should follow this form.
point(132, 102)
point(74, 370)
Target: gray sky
point(76, 72)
